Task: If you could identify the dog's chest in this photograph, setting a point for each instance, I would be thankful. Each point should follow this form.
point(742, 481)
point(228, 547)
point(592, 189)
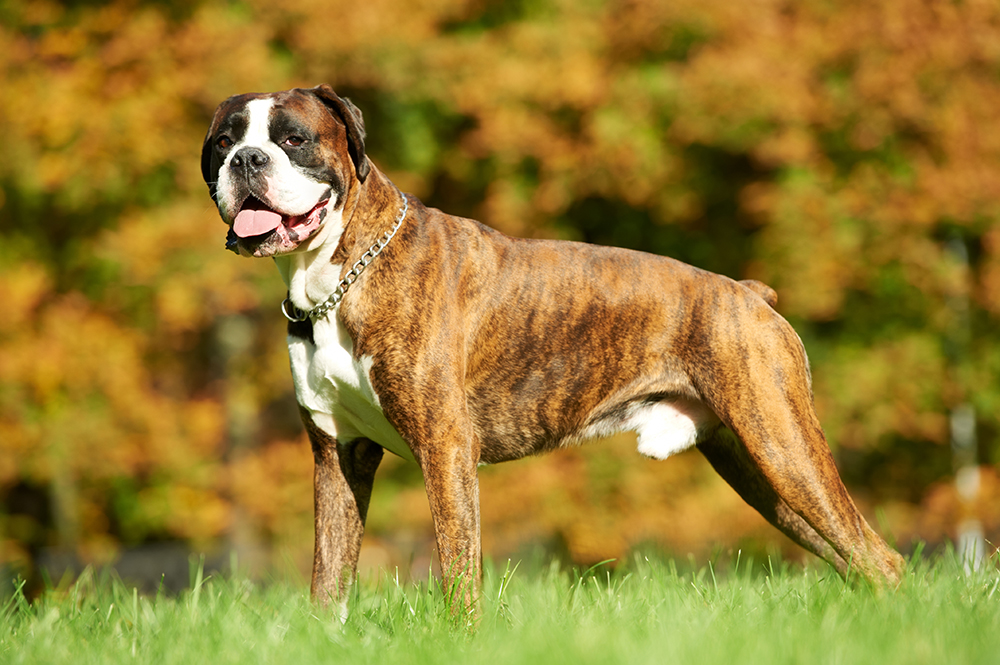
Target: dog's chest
point(335, 388)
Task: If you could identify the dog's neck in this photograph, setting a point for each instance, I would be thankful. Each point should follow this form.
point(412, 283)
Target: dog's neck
point(313, 274)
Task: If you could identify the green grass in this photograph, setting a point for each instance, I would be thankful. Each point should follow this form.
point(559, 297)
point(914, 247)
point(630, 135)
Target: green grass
point(646, 612)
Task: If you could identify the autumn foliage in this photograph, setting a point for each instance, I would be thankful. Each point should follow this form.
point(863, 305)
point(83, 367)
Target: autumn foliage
point(847, 154)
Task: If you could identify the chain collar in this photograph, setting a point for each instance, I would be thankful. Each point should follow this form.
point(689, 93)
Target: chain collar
point(294, 314)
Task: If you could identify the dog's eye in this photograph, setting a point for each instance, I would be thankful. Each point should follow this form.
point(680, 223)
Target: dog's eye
point(294, 141)
point(224, 142)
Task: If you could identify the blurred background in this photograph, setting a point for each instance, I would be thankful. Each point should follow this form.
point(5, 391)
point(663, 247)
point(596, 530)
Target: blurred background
point(848, 154)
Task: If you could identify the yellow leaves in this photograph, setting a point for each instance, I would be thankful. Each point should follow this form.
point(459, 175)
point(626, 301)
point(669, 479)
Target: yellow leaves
point(989, 288)
point(890, 388)
point(39, 14)
point(849, 135)
point(942, 508)
point(185, 511)
point(177, 249)
point(76, 396)
point(184, 439)
point(195, 513)
point(63, 45)
point(603, 498)
point(807, 251)
point(178, 306)
point(273, 486)
point(97, 105)
point(22, 288)
point(71, 347)
point(788, 146)
point(221, 51)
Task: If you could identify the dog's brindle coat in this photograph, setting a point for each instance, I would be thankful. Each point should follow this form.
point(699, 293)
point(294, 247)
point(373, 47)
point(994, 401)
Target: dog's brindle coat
point(461, 346)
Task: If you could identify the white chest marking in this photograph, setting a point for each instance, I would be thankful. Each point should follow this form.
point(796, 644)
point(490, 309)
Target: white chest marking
point(309, 274)
point(336, 389)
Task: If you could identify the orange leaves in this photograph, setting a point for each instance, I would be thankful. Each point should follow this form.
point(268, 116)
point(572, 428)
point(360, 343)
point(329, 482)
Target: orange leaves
point(602, 499)
point(172, 251)
point(102, 98)
point(830, 149)
point(893, 388)
point(184, 511)
point(76, 375)
point(273, 486)
point(809, 249)
point(69, 347)
point(943, 508)
point(989, 289)
point(23, 286)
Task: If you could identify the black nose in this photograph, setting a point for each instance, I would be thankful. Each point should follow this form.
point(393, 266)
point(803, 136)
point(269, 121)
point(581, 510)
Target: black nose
point(252, 159)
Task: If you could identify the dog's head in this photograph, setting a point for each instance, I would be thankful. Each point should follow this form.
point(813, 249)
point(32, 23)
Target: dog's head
point(279, 167)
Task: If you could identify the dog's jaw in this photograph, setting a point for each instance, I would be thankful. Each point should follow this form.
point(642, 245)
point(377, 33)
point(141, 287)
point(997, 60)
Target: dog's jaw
point(279, 233)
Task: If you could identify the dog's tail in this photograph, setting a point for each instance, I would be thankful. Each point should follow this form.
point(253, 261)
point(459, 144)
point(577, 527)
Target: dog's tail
point(769, 295)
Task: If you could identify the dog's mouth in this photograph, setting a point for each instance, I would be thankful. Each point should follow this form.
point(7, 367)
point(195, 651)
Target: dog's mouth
point(260, 230)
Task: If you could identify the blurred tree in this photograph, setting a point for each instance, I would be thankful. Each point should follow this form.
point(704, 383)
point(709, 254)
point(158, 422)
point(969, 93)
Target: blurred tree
point(832, 151)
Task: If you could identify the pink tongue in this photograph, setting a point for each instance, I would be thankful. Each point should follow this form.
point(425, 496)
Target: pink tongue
point(255, 222)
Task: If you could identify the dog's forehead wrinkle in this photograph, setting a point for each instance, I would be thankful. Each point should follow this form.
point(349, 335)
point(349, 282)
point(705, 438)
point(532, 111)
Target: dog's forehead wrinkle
point(234, 125)
point(287, 124)
point(303, 110)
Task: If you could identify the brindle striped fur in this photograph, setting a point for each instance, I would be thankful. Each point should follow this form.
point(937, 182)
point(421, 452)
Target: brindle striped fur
point(487, 348)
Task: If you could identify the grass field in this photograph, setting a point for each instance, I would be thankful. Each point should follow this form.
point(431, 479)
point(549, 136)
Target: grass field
point(645, 612)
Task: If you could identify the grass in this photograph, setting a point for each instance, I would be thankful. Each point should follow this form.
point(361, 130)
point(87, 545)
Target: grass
point(646, 612)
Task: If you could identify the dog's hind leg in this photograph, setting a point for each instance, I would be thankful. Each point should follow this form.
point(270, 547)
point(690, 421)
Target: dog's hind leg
point(343, 480)
point(771, 412)
point(730, 459)
point(796, 462)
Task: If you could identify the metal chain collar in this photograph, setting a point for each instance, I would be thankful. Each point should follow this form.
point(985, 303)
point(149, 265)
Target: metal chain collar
point(293, 313)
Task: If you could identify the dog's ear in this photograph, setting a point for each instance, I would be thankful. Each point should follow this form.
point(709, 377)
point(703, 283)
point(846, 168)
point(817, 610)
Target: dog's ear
point(206, 163)
point(206, 151)
point(206, 172)
point(206, 158)
point(350, 115)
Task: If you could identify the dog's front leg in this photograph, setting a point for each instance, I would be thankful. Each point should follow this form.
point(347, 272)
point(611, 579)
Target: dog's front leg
point(343, 481)
point(453, 492)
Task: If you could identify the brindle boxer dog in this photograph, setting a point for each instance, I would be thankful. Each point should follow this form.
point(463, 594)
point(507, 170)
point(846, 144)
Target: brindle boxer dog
point(453, 345)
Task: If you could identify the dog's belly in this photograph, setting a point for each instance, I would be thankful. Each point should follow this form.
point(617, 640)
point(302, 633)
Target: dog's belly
point(334, 387)
point(663, 428)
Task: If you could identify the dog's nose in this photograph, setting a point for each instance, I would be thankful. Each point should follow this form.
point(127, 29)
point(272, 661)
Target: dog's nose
point(252, 159)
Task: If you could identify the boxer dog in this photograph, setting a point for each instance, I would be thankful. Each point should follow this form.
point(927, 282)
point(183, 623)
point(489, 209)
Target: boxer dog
point(452, 345)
